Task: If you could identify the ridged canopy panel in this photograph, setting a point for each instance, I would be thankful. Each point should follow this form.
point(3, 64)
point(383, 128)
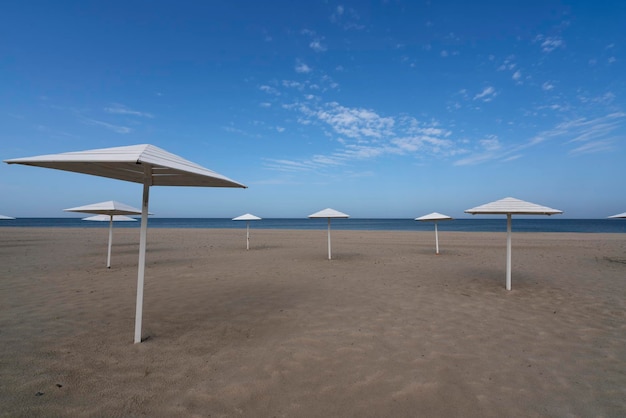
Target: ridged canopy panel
point(512, 206)
point(127, 163)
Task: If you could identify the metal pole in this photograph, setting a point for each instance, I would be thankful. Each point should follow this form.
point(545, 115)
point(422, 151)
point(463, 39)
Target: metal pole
point(247, 235)
point(329, 257)
point(110, 241)
point(147, 182)
point(508, 251)
point(436, 238)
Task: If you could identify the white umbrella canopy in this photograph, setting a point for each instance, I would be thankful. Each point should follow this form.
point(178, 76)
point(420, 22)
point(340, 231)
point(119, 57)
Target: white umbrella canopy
point(107, 218)
point(329, 213)
point(435, 217)
point(110, 207)
point(109, 210)
point(6, 218)
point(144, 164)
point(619, 215)
point(510, 206)
point(247, 217)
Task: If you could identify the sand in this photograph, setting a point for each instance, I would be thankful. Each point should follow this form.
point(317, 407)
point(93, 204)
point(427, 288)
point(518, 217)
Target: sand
point(385, 329)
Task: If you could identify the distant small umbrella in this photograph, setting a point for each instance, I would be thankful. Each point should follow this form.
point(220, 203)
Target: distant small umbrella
point(434, 217)
point(329, 213)
point(509, 206)
point(247, 217)
point(108, 210)
point(619, 215)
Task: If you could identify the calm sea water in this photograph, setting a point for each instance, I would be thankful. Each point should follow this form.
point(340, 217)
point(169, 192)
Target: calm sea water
point(538, 224)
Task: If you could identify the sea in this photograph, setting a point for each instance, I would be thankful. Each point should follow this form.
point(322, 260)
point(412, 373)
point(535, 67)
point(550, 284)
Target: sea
point(534, 224)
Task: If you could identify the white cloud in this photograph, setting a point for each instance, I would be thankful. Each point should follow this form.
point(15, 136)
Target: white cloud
point(593, 147)
point(302, 68)
point(115, 128)
point(364, 134)
point(123, 110)
point(588, 136)
point(269, 90)
point(317, 46)
point(549, 43)
point(582, 130)
point(354, 122)
point(490, 144)
point(517, 75)
point(507, 64)
point(547, 86)
point(293, 84)
point(486, 95)
point(289, 165)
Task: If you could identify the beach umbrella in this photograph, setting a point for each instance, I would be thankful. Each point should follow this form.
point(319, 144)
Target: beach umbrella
point(329, 213)
point(108, 211)
point(106, 218)
point(435, 217)
point(510, 206)
point(247, 217)
point(144, 164)
point(6, 218)
point(619, 215)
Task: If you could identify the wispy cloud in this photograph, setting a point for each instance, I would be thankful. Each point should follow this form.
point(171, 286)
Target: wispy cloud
point(487, 149)
point(347, 18)
point(508, 64)
point(362, 134)
point(549, 43)
point(115, 128)
point(316, 43)
point(486, 95)
point(593, 147)
point(269, 90)
point(354, 122)
point(302, 68)
point(120, 109)
point(586, 135)
point(317, 46)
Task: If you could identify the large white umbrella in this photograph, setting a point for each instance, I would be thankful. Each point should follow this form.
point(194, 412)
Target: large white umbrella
point(6, 218)
point(329, 213)
point(247, 217)
point(619, 215)
point(435, 217)
point(108, 211)
point(144, 164)
point(509, 206)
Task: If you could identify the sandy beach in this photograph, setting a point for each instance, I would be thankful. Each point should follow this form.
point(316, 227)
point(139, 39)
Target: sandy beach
point(385, 329)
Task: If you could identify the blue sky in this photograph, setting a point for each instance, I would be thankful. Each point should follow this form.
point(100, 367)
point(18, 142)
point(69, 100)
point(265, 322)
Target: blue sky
point(376, 109)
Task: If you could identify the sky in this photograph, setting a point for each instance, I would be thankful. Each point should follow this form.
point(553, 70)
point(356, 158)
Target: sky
point(379, 109)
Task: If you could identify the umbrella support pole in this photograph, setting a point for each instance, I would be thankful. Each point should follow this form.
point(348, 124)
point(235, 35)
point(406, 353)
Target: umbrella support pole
point(247, 235)
point(110, 241)
point(436, 239)
point(508, 251)
point(329, 256)
point(142, 251)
